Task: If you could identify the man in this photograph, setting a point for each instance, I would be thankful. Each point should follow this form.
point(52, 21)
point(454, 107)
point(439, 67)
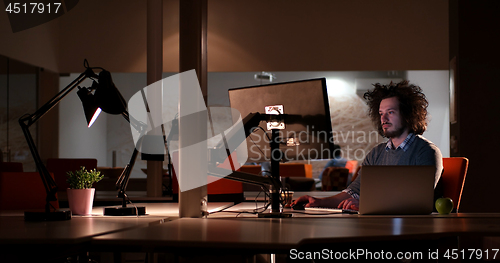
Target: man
point(399, 111)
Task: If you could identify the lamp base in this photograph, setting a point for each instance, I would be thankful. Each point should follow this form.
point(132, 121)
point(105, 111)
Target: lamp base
point(47, 216)
point(125, 211)
point(274, 215)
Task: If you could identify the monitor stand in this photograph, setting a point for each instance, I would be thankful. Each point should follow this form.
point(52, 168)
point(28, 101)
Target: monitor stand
point(275, 173)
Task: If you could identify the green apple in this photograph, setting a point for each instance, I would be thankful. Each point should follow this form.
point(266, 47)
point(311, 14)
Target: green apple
point(444, 205)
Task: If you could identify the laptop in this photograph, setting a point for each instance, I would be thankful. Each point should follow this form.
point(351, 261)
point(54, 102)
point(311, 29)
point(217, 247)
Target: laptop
point(397, 190)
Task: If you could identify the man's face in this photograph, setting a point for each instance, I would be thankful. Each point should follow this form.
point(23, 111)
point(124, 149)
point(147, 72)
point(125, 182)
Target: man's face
point(390, 118)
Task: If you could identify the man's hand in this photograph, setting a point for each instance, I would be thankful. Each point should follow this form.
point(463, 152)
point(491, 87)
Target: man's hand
point(308, 200)
point(332, 201)
point(349, 203)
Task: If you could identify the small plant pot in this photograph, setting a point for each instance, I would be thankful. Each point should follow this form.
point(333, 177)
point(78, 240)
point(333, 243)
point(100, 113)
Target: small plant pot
point(81, 201)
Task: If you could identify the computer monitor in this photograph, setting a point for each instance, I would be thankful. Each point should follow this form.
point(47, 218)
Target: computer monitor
point(307, 129)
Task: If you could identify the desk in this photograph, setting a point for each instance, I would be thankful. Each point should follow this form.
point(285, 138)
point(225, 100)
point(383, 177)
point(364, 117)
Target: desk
point(22, 241)
point(264, 235)
point(61, 238)
point(218, 235)
point(223, 233)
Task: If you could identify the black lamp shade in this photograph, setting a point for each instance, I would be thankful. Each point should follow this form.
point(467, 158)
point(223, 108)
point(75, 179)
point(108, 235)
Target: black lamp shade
point(90, 107)
point(107, 95)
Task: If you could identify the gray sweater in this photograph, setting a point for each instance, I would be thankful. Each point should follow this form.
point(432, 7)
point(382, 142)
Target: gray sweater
point(420, 152)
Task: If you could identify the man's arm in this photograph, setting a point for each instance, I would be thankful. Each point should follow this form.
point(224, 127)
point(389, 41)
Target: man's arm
point(331, 201)
point(335, 200)
point(431, 156)
point(354, 187)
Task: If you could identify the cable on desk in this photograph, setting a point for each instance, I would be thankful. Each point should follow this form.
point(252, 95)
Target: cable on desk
point(136, 209)
point(255, 211)
point(219, 211)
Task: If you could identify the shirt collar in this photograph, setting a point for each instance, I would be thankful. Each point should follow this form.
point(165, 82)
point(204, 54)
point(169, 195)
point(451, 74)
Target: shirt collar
point(404, 145)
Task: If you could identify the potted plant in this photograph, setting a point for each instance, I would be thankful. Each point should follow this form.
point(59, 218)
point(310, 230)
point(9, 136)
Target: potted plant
point(81, 193)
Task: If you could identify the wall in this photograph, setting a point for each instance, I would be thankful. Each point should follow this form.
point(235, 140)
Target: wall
point(325, 35)
point(38, 46)
point(474, 42)
point(110, 34)
point(75, 139)
point(20, 102)
point(436, 88)
point(48, 126)
point(280, 35)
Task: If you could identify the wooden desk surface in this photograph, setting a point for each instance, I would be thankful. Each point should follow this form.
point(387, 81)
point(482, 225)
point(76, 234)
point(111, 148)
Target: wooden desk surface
point(290, 232)
point(56, 240)
point(161, 230)
point(264, 235)
point(15, 230)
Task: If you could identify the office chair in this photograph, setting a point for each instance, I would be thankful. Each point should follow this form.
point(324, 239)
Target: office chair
point(22, 190)
point(11, 167)
point(453, 178)
point(355, 174)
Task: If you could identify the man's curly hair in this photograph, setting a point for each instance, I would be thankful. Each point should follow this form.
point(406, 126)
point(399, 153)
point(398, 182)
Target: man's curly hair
point(412, 105)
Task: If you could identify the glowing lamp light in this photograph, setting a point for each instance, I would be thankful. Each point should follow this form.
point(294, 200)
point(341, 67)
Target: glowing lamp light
point(94, 117)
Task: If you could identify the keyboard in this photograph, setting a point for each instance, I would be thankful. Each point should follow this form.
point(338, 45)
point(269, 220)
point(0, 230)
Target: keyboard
point(330, 210)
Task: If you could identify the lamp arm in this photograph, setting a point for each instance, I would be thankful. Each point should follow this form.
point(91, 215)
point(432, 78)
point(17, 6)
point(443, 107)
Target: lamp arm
point(32, 118)
point(138, 125)
point(122, 182)
point(28, 120)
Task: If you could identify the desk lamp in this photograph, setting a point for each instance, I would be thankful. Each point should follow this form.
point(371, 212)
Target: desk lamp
point(122, 182)
point(109, 101)
point(107, 98)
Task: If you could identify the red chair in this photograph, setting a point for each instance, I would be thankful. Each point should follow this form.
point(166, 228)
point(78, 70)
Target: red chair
point(218, 187)
point(19, 191)
point(352, 166)
point(11, 167)
point(453, 178)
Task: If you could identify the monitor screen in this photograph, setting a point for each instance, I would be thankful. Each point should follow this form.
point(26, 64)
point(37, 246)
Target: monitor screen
point(306, 132)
